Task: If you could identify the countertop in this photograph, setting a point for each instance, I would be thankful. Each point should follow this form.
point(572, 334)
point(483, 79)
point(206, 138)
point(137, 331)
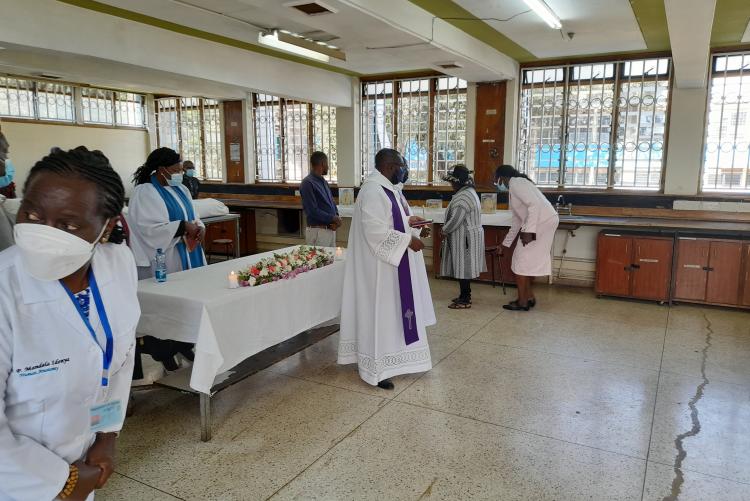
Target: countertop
point(503, 218)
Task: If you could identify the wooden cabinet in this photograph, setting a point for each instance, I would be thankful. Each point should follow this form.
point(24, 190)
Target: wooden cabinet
point(651, 268)
point(745, 278)
point(637, 266)
point(493, 236)
point(710, 271)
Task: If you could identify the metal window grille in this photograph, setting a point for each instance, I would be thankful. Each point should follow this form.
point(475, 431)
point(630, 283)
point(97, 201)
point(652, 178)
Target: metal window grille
point(54, 101)
point(286, 132)
point(726, 160)
point(424, 119)
point(16, 98)
point(97, 106)
point(596, 124)
point(192, 127)
point(129, 109)
point(324, 136)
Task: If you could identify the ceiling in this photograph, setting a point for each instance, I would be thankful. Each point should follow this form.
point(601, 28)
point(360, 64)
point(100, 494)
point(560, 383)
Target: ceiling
point(361, 36)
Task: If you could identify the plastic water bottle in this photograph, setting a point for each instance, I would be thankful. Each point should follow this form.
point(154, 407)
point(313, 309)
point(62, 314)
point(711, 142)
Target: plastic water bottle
point(160, 270)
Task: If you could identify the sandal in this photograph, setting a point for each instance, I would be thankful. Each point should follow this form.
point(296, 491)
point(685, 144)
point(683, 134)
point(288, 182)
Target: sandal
point(460, 300)
point(460, 305)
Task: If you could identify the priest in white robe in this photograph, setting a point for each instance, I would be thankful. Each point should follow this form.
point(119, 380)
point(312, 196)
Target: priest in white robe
point(387, 303)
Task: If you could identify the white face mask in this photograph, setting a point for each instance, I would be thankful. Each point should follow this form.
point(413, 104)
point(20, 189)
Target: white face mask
point(51, 254)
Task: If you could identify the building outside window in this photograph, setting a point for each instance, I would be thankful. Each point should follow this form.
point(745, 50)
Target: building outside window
point(286, 133)
point(192, 127)
point(423, 118)
point(599, 125)
point(726, 159)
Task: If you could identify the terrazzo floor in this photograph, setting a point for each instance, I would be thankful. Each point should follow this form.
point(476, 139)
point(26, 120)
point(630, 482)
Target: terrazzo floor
point(582, 398)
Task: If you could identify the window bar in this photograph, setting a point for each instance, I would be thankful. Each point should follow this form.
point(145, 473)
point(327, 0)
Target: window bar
point(435, 168)
point(638, 127)
point(540, 134)
point(202, 132)
point(721, 122)
point(564, 130)
point(601, 126)
point(618, 69)
point(737, 123)
point(653, 126)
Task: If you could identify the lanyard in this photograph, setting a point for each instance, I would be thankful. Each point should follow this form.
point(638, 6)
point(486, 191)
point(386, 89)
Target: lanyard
point(107, 351)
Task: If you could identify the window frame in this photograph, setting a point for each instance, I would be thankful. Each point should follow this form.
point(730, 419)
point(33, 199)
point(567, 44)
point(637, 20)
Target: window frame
point(395, 95)
point(568, 67)
point(198, 104)
point(76, 103)
point(715, 55)
point(285, 106)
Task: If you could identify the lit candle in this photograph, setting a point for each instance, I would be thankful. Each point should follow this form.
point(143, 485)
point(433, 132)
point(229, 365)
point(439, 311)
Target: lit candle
point(339, 253)
point(233, 283)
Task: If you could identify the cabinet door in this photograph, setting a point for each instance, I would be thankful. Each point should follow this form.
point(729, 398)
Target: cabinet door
point(690, 274)
point(613, 259)
point(652, 263)
point(724, 272)
point(745, 279)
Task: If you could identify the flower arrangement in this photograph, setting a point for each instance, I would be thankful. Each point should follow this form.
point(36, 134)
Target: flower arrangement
point(284, 266)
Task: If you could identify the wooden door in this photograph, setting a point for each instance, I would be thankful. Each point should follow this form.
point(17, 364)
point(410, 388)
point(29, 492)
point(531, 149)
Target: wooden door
point(652, 268)
point(691, 276)
point(613, 259)
point(745, 280)
point(234, 146)
point(724, 265)
point(489, 143)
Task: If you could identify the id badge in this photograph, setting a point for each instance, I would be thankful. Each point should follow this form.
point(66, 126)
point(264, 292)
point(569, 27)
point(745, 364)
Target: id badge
point(105, 416)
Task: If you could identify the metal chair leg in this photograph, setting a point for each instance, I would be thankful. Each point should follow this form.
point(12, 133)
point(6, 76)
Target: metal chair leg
point(205, 405)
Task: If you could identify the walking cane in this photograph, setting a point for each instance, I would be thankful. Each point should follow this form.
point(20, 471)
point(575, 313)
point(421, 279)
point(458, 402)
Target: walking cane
point(502, 278)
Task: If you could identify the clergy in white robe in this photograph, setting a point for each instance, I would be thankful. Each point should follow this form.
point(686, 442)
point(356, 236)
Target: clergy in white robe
point(386, 302)
point(161, 214)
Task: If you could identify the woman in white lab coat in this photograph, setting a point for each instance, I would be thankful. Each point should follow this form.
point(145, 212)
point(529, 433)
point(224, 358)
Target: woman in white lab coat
point(68, 314)
point(534, 223)
point(161, 216)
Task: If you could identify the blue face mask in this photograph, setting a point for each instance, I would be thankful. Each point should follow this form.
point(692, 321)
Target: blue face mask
point(190, 173)
point(501, 188)
point(10, 172)
point(175, 180)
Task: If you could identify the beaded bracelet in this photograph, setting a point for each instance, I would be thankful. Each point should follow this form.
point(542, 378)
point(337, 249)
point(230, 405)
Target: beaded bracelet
point(70, 485)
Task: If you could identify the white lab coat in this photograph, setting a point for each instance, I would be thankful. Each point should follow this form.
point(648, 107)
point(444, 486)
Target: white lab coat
point(151, 229)
point(44, 413)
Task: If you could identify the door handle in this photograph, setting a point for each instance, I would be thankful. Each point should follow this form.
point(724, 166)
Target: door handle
point(707, 268)
point(644, 260)
point(694, 266)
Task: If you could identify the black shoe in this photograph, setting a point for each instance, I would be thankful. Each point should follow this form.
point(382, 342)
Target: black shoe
point(386, 384)
point(460, 299)
point(514, 306)
point(532, 302)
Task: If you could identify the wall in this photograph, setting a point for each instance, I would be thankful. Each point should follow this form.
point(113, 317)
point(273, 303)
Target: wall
point(685, 148)
point(29, 142)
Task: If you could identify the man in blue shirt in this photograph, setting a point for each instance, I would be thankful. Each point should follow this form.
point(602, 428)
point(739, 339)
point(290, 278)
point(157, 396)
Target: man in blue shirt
point(317, 200)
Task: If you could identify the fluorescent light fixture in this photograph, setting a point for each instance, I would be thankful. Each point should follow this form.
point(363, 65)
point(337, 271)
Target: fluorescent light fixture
point(272, 40)
point(542, 10)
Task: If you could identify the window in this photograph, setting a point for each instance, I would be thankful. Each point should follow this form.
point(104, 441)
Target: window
point(424, 119)
point(286, 134)
point(54, 101)
point(596, 124)
point(21, 98)
point(192, 127)
point(726, 159)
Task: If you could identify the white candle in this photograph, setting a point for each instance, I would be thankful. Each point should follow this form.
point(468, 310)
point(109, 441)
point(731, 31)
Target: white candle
point(233, 283)
point(339, 253)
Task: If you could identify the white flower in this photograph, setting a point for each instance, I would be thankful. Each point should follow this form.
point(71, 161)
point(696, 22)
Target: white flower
point(263, 272)
point(251, 281)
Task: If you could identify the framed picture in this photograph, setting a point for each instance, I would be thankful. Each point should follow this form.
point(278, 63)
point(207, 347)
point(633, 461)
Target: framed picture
point(346, 196)
point(489, 203)
point(433, 203)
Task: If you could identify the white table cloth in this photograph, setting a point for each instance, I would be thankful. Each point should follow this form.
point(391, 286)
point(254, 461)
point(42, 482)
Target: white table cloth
point(499, 218)
point(230, 325)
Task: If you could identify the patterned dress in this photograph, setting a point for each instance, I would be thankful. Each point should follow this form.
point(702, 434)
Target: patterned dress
point(462, 249)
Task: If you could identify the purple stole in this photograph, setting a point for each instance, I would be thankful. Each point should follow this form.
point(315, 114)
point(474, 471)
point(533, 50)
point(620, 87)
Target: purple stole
point(408, 317)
